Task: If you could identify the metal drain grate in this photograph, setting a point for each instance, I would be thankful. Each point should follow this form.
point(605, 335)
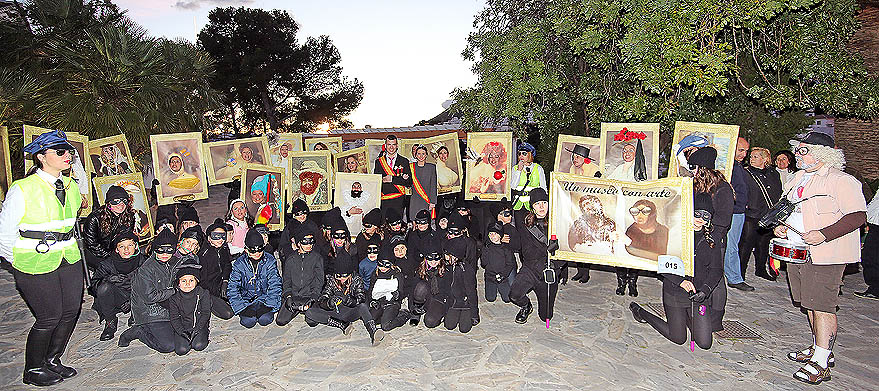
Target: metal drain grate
point(733, 329)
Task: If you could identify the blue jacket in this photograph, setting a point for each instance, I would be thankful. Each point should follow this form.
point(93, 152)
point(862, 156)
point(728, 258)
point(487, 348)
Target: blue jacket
point(244, 289)
point(367, 269)
point(740, 188)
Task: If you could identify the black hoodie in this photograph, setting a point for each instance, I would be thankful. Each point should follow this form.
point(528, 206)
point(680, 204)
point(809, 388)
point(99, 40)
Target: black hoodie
point(216, 266)
point(190, 311)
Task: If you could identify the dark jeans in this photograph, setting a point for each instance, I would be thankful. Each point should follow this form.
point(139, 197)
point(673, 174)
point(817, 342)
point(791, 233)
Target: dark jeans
point(343, 313)
point(109, 299)
point(256, 313)
point(221, 308)
point(55, 300)
point(754, 239)
point(870, 258)
point(698, 317)
point(387, 315)
point(435, 308)
point(158, 336)
point(493, 288)
point(199, 342)
point(526, 281)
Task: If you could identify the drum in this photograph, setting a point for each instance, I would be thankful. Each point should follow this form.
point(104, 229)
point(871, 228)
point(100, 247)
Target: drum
point(788, 251)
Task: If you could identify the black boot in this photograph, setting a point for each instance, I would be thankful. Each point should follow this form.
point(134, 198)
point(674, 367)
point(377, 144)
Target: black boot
point(633, 285)
point(36, 372)
point(522, 316)
point(417, 311)
point(636, 312)
point(342, 325)
point(56, 348)
point(375, 334)
point(109, 329)
point(128, 335)
point(621, 285)
point(582, 274)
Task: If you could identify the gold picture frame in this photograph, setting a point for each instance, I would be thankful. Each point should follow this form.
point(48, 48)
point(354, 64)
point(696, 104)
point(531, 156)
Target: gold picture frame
point(563, 152)
point(614, 140)
point(6, 160)
point(123, 164)
point(485, 180)
point(371, 185)
point(191, 182)
point(334, 144)
point(224, 160)
point(361, 154)
point(319, 191)
point(272, 178)
point(722, 137)
point(448, 173)
point(133, 184)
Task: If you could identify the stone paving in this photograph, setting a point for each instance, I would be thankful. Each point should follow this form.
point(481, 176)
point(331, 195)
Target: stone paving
point(592, 343)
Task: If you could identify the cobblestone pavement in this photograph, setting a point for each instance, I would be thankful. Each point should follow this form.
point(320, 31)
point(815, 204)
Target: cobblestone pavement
point(592, 343)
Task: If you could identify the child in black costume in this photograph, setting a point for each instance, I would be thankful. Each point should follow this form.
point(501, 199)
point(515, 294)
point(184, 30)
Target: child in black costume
point(689, 301)
point(112, 280)
point(499, 264)
point(384, 294)
point(190, 310)
point(216, 262)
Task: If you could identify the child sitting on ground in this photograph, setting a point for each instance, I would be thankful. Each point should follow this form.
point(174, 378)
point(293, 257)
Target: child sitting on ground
point(190, 310)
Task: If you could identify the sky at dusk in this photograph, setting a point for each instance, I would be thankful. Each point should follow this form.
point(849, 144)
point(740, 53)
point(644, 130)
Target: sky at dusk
point(406, 53)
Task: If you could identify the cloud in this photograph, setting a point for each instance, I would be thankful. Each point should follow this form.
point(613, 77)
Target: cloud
point(196, 4)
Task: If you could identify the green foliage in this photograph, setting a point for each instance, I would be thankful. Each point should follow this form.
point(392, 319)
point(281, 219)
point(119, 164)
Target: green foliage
point(569, 65)
point(269, 77)
point(87, 68)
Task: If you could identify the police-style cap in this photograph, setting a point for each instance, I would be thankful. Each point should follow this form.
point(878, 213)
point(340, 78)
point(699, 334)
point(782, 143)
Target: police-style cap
point(54, 139)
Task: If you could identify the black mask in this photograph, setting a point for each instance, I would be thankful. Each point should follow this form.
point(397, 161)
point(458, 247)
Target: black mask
point(372, 250)
point(356, 193)
point(165, 250)
point(339, 235)
point(217, 235)
point(307, 240)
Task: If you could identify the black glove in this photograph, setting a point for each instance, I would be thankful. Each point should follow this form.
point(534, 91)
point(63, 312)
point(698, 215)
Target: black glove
point(698, 296)
point(289, 303)
point(125, 307)
point(553, 246)
point(116, 278)
point(499, 278)
point(475, 321)
point(395, 295)
point(223, 286)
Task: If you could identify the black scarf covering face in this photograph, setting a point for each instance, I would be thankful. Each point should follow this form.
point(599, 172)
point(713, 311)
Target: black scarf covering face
point(640, 163)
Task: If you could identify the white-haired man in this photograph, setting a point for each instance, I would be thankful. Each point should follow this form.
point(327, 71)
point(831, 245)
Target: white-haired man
point(830, 208)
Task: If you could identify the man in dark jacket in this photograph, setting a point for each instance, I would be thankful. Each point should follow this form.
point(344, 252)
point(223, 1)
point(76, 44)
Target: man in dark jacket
point(396, 176)
point(764, 190)
point(112, 280)
point(303, 277)
point(732, 265)
point(152, 285)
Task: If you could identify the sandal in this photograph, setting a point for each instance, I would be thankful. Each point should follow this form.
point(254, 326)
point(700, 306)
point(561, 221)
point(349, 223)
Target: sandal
point(812, 373)
point(805, 356)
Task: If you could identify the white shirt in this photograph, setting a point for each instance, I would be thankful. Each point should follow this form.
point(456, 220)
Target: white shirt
point(795, 219)
point(13, 212)
point(873, 211)
point(391, 160)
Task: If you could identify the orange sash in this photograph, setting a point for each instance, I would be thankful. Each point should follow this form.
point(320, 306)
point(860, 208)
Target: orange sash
point(389, 171)
point(420, 190)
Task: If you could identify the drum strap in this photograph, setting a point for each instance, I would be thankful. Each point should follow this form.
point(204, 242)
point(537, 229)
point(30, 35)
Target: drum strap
point(761, 186)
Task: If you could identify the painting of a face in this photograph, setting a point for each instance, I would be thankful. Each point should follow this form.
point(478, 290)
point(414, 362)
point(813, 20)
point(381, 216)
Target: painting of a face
point(578, 160)
point(391, 146)
point(285, 150)
point(628, 153)
point(351, 163)
point(356, 186)
point(421, 154)
point(246, 154)
point(494, 159)
point(309, 182)
point(257, 196)
point(320, 147)
point(591, 206)
point(443, 154)
point(175, 163)
point(108, 153)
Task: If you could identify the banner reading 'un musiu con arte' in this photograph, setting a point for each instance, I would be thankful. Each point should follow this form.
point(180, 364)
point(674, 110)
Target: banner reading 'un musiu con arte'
point(625, 224)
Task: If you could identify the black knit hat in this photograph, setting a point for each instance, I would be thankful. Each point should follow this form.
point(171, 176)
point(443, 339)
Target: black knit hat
point(497, 207)
point(116, 192)
point(422, 217)
point(254, 241)
point(299, 206)
point(536, 195)
point(301, 232)
point(165, 215)
point(189, 214)
point(456, 221)
point(217, 224)
point(457, 247)
point(126, 235)
point(702, 157)
point(193, 232)
point(702, 201)
point(496, 227)
point(189, 267)
point(343, 264)
point(396, 240)
point(393, 216)
point(374, 217)
point(431, 247)
point(165, 238)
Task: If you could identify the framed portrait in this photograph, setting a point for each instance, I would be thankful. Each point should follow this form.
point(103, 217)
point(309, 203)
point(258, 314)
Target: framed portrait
point(722, 137)
point(353, 161)
point(374, 149)
point(489, 165)
point(133, 184)
point(443, 151)
point(80, 165)
point(630, 151)
point(311, 178)
point(6, 162)
point(332, 144)
point(284, 144)
point(578, 155)
point(110, 156)
point(224, 160)
point(616, 223)
point(356, 194)
point(262, 189)
point(179, 166)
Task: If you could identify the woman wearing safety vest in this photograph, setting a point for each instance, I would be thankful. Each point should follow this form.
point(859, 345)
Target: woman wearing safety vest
point(527, 176)
point(36, 234)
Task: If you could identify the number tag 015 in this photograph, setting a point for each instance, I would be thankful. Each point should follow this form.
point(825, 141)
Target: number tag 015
point(671, 264)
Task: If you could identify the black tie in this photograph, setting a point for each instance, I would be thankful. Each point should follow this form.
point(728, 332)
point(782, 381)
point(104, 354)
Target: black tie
point(59, 191)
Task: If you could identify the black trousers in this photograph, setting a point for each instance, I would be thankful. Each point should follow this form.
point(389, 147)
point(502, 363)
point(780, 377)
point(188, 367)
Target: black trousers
point(398, 203)
point(458, 318)
point(387, 315)
point(434, 307)
point(158, 336)
point(698, 317)
point(109, 299)
point(528, 280)
point(493, 288)
point(55, 300)
point(870, 258)
point(199, 342)
point(754, 239)
point(221, 308)
point(343, 313)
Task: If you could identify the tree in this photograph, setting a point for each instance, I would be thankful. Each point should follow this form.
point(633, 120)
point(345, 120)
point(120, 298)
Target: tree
point(90, 69)
point(570, 65)
point(267, 75)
